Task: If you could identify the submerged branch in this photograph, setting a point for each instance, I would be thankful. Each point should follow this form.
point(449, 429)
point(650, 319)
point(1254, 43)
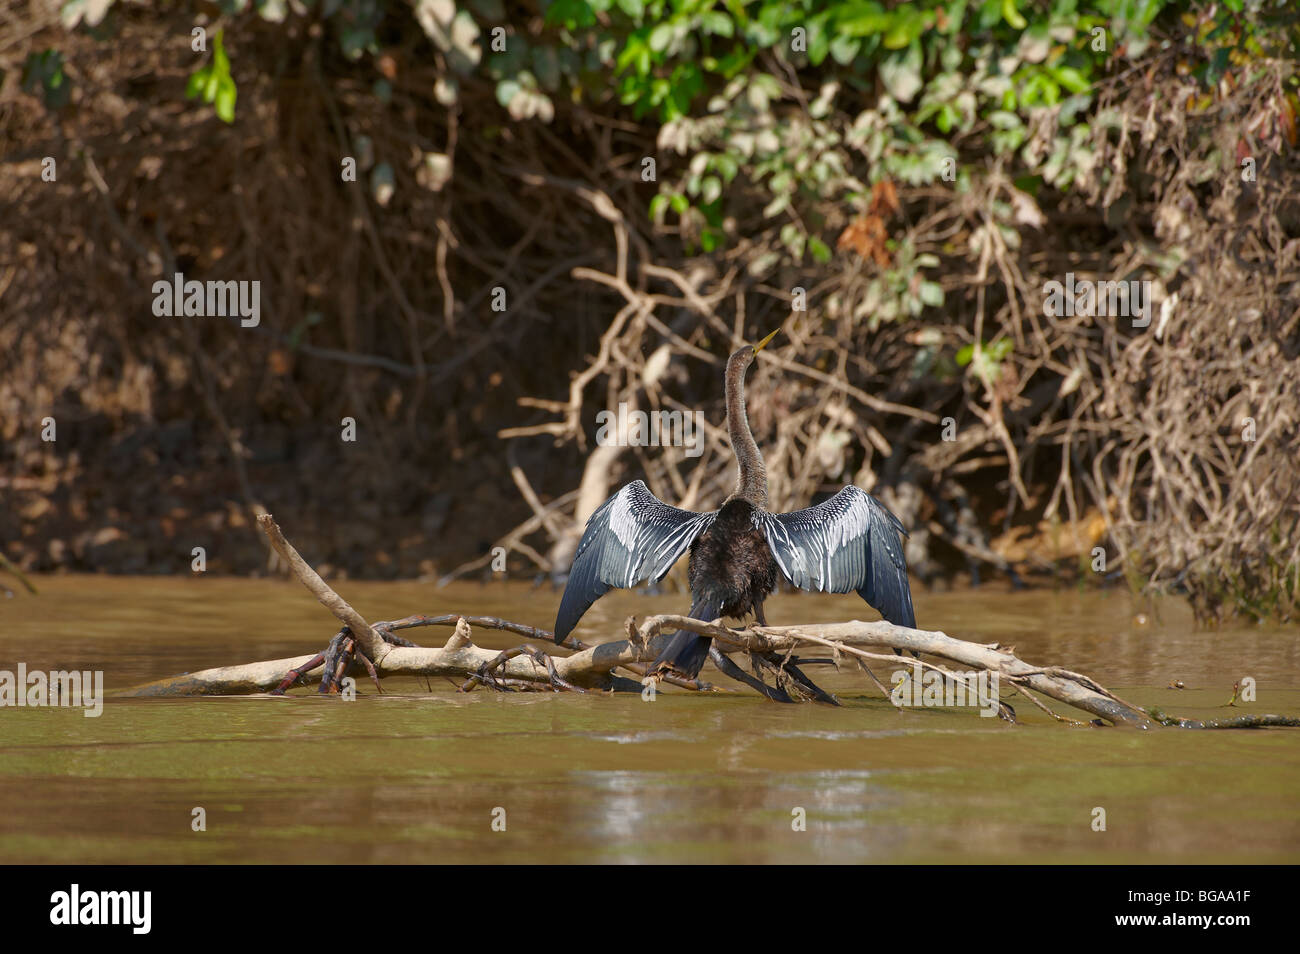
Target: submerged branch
point(594, 667)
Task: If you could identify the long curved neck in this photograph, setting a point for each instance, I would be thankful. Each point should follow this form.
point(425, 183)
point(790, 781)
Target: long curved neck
point(751, 480)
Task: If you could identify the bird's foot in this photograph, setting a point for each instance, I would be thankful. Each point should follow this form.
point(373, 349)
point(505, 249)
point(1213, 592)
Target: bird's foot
point(664, 670)
point(729, 668)
point(790, 678)
point(487, 673)
point(666, 673)
point(808, 689)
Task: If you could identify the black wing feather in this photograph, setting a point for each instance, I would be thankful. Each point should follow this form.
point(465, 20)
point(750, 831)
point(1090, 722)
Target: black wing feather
point(850, 542)
point(632, 537)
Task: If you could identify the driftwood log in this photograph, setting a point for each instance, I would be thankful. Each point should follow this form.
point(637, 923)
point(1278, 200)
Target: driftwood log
point(595, 668)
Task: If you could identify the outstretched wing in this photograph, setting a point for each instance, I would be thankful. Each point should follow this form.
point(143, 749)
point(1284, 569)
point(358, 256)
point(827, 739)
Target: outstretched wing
point(633, 536)
point(850, 542)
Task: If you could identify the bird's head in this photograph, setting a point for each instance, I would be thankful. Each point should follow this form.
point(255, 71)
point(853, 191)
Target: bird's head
point(744, 355)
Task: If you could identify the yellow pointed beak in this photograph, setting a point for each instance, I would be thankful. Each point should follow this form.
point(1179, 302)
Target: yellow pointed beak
point(763, 344)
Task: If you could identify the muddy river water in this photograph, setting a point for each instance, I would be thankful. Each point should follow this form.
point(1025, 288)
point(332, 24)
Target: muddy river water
point(423, 773)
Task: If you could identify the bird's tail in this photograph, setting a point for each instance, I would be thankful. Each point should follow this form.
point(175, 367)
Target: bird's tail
point(684, 652)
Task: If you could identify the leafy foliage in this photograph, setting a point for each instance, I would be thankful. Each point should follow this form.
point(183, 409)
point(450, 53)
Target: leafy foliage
point(898, 84)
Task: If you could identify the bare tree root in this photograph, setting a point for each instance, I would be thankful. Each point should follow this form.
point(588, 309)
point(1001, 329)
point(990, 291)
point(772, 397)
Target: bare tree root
point(593, 667)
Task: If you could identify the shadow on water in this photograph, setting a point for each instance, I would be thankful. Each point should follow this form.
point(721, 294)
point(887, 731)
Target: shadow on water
point(420, 775)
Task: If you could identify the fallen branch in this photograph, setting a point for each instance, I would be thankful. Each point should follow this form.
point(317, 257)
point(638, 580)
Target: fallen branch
point(594, 667)
point(371, 642)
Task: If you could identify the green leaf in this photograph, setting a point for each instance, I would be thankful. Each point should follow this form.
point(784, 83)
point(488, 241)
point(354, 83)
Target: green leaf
point(225, 101)
point(220, 61)
point(573, 14)
point(844, 49)
point(907, 26)
point(1072, 79)
point(819, 44)
point(956, 12)
point(661, 36)
point(507, 90)
point(727, 167)
point(1035, 43)
point(717, 22)
point(793, 240)
point(990, 14)
point(1012, 15)
point(871, 19)
point(777, 206)
point(901, 73)
point(198, 79)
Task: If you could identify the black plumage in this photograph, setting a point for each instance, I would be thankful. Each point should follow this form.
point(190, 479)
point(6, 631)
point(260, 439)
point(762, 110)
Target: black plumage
point(849, 542)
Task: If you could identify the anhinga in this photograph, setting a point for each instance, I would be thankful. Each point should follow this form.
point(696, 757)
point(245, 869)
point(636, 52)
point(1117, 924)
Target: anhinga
point(849, 542)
